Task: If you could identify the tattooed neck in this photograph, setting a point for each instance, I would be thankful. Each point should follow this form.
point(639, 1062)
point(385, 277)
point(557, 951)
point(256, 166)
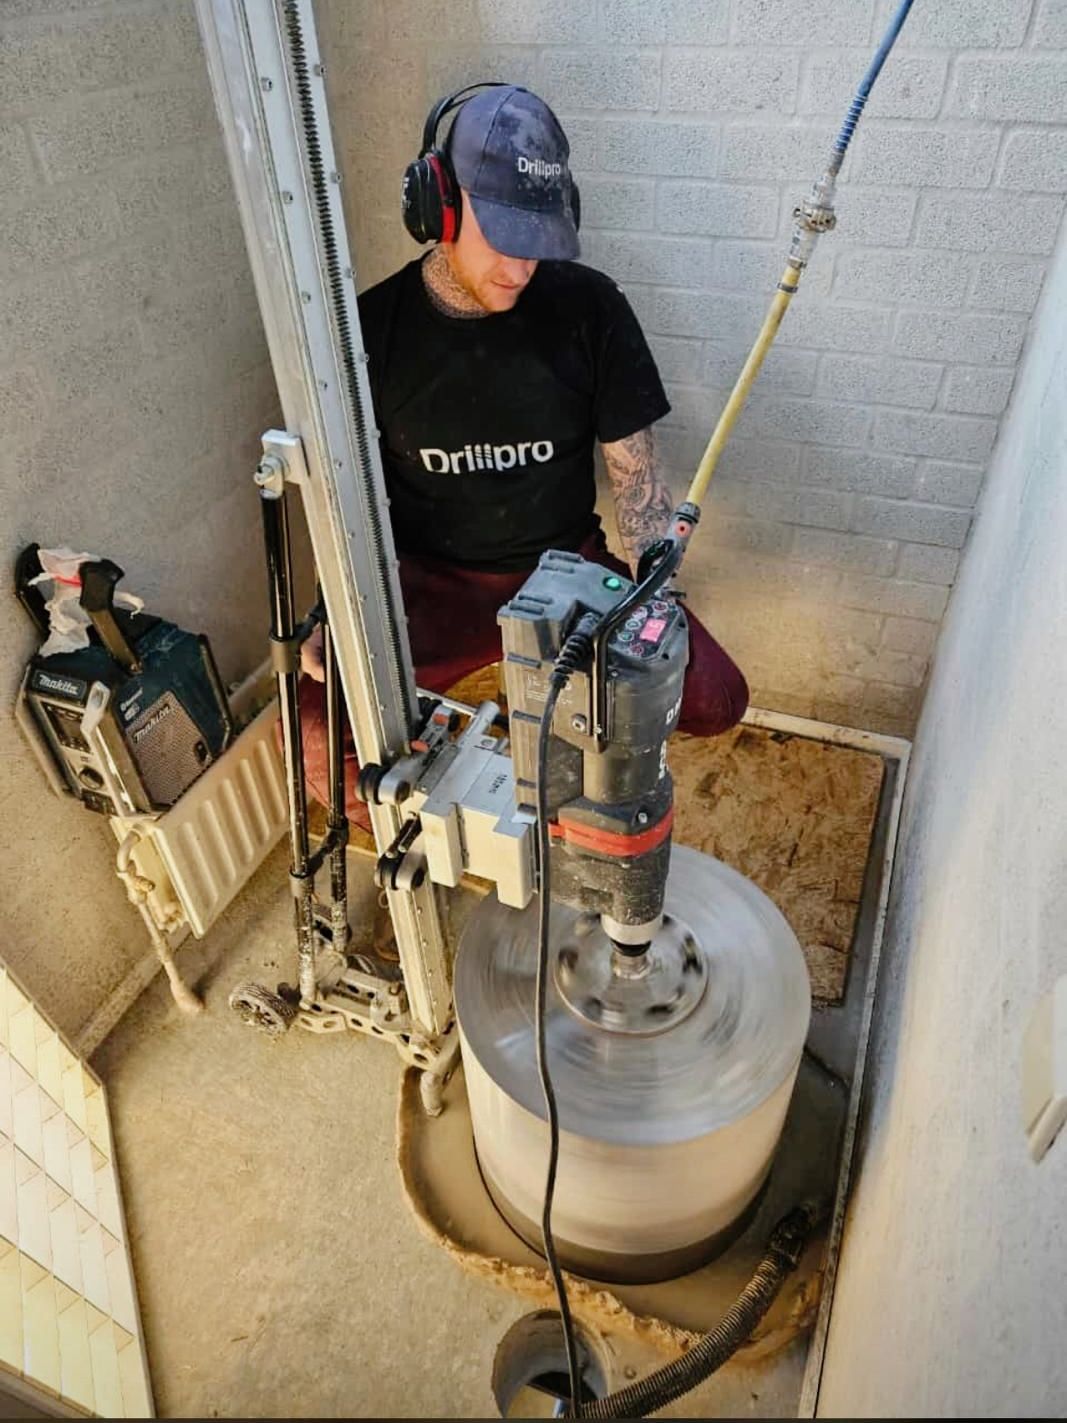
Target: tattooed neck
point(446, 293)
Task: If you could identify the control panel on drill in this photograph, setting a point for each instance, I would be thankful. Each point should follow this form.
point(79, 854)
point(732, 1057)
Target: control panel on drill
point(643, 632)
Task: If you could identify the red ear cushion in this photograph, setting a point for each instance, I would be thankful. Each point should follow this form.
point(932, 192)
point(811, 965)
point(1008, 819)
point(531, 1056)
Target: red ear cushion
point(447, 196)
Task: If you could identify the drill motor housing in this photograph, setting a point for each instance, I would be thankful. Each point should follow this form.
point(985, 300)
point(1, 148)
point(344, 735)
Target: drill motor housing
point(609, 795)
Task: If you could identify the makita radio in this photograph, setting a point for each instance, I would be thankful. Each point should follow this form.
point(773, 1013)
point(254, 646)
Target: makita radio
point(128, 722)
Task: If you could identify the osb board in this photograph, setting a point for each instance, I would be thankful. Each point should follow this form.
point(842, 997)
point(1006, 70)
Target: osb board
point(485, 685)
point(796, 816)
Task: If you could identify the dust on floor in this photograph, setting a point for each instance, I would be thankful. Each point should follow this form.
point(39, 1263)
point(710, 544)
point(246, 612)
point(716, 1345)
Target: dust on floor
point(280, 1270)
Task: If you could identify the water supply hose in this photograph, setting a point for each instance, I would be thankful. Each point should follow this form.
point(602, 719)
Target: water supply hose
point(852, 118)
point(813, 217)
point(750, 370)
point(654, 1392)
point(576, 651)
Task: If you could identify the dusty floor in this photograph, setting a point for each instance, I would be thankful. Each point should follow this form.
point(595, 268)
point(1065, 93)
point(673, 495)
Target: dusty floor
point(281, 1272)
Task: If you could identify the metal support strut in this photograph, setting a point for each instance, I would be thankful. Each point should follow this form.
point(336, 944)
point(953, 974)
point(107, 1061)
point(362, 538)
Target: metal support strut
point(337, 820)
point(336, 990)
point(285, 654)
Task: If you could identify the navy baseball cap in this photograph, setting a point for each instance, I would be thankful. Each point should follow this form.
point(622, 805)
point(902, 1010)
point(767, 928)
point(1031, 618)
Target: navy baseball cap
point(508, 150)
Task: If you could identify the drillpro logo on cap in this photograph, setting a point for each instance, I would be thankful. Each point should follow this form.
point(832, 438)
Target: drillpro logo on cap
point(538, 167)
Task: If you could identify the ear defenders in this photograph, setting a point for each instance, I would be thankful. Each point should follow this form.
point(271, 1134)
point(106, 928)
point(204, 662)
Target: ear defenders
point(430, 201)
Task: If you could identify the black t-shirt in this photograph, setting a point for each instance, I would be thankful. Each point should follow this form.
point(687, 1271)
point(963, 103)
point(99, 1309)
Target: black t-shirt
point(488, 423)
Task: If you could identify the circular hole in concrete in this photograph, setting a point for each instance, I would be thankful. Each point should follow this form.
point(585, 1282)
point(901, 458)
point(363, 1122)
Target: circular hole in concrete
point(530, 1377)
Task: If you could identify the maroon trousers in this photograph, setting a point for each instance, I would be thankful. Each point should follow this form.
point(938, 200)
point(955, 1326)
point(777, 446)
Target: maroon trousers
point(452, 625)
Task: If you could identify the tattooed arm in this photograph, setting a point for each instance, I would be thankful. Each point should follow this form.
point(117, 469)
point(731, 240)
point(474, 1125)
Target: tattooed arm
point(643, 503)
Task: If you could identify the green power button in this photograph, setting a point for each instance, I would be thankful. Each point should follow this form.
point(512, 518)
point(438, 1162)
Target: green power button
point(613, 582)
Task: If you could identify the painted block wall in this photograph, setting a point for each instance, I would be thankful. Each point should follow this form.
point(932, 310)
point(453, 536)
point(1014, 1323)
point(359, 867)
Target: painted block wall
point(134, 384)
point(837, 518)
point(950, 1301)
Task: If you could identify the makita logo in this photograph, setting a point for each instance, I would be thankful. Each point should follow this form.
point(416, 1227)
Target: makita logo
point(59, 684)
point(475, 457)
point(152, 722)
point(538, 167)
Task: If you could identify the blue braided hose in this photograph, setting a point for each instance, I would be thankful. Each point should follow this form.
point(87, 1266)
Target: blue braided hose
point(852, 118)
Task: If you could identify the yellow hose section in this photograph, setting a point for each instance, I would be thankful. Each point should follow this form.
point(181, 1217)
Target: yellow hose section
point(739, 394)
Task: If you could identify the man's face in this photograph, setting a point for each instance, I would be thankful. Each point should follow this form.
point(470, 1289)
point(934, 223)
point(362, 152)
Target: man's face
point(494, 281)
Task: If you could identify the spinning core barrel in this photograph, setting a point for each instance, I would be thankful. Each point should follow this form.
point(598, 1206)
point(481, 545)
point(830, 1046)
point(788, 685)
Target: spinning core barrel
point(673, 1070)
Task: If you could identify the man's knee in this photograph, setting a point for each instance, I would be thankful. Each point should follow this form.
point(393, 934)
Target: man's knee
point(716, 693)
point(735, 695)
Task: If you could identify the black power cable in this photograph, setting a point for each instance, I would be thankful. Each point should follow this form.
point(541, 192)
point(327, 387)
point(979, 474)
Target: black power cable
point(576, 651)
point(556, 685)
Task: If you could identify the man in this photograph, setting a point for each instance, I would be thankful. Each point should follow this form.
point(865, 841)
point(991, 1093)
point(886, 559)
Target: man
point(496, 362)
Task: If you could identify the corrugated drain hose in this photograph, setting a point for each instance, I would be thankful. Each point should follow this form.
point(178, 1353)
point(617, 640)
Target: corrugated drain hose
point(650, 1394)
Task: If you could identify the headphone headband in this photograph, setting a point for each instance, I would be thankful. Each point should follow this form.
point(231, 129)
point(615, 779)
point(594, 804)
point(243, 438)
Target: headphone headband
point(452, 101)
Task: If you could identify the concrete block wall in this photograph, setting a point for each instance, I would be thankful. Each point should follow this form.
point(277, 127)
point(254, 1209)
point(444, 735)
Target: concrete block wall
point(134, 384)
point(949, 1300)
point(841, 505)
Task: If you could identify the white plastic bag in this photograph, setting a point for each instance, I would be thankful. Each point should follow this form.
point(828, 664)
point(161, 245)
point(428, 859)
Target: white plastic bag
point(68, 622)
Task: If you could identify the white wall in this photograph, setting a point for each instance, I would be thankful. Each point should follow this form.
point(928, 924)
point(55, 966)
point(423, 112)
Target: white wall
point(134, 384)
point(952, 1297)
point(844, 497)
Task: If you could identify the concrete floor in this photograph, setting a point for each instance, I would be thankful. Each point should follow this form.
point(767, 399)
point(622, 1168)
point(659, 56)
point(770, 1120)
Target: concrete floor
point(280, 1270)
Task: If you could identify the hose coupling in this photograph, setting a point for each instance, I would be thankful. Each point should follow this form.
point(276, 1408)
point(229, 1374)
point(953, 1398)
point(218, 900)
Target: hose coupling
point(811, 219)
point(793, 1231)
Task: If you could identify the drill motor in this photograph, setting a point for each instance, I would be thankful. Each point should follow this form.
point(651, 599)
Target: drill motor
point(609, 794)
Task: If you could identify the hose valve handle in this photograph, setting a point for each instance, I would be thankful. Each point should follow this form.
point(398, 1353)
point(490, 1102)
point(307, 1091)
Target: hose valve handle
point(679, 531)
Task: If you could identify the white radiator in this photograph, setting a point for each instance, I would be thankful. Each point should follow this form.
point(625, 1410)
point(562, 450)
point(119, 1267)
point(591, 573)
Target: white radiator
point(203, 850)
